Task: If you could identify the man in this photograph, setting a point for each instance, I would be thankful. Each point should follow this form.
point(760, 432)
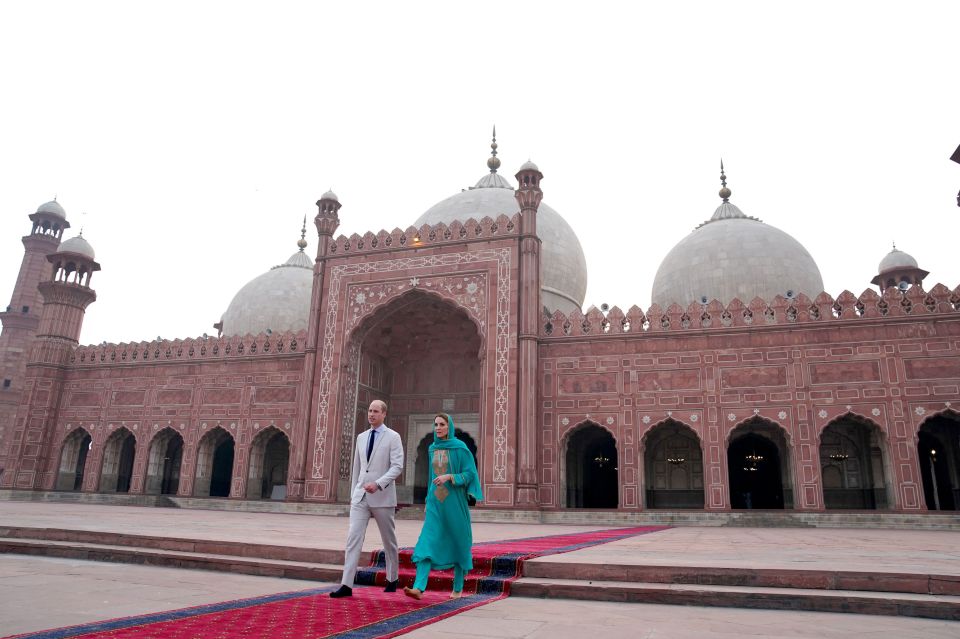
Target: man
point(377, 462)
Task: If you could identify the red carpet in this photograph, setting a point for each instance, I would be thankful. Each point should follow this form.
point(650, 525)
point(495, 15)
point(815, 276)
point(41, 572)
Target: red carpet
point(369, 614)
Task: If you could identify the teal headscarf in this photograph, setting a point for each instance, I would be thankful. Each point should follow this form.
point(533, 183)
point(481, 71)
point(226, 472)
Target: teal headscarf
point(463, 459)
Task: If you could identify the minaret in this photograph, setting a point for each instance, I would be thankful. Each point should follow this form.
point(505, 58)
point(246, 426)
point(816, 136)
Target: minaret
point(66, 294)
point(327, 221)
point(528, 196)
point(22, 314)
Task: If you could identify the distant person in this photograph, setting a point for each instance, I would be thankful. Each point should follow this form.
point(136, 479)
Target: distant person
point(447, 538)
point(377, 462)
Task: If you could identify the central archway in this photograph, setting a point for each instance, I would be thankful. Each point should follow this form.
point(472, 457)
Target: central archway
point(673, 467)
point(422, 355)
point(592, 475)
point(758, 463)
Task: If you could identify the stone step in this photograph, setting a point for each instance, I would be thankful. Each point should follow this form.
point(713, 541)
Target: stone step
point(174, 559)
point(203, 546)
point(924, 584)
point(859, 602)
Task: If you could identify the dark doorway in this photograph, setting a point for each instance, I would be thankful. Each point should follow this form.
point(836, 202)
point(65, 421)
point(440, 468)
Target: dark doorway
point(222, 469)
point(755, 474)
point(591, 466)
point(937, 454)
point(673, 467)
point(125, 468)
point(172, 458)
point(852, 466)
point(81, 461)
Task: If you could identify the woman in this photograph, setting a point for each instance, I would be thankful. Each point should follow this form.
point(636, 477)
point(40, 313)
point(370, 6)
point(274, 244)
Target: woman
point(446, 538)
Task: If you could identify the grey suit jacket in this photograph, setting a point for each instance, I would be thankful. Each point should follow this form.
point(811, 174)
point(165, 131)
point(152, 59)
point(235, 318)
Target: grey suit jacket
point(385, 465)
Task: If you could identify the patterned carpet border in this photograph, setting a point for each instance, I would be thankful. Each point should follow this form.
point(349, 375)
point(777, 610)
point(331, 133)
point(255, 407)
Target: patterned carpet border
point(496, 565)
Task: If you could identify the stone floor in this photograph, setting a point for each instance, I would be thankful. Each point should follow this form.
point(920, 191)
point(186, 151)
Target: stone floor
point(39, 593)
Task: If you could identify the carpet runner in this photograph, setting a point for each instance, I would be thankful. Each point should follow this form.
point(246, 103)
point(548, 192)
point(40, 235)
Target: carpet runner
point(368, 614)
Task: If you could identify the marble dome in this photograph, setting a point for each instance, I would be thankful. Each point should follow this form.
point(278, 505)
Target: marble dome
point(897, 259)
point(563, 267)
point(53, 208)
point(732, 256)
point(77, 245)
point(278, 300)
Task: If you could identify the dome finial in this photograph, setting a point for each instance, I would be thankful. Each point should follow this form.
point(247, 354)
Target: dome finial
point(493, 162)
point(724, 191)
point(894, 245)
point(302, 242)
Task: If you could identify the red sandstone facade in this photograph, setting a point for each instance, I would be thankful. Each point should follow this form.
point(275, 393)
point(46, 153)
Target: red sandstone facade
point(800, 404)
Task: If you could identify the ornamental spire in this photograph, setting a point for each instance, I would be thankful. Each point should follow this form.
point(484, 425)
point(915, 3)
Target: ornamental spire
point(493, 162)
point(724, 191)
point(302, 242)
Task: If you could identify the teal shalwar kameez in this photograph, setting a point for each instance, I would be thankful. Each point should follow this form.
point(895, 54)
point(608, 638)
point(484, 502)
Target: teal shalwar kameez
point(447, 538)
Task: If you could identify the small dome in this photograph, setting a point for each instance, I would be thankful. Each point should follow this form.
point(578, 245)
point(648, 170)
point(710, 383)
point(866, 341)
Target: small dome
point(330, 195)
point(563, 267)
point(278, 300)
point(77, 245)
point(528, 166)
point(52, 208)
point(897, 259)
point(732, 256)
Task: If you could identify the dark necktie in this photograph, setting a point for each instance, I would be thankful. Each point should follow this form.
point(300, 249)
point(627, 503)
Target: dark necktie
point(370, 443)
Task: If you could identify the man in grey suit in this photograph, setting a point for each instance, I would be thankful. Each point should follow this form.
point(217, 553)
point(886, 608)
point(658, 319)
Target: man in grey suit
point(377, 462)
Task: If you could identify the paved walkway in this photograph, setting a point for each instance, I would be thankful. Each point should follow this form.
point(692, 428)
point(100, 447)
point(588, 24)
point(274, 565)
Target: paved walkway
point(38, 593)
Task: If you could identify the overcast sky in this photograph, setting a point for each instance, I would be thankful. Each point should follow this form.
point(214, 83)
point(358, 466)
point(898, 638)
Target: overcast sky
point(189, 139)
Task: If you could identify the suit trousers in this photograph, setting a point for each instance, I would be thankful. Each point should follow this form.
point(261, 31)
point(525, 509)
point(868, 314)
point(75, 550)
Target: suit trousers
point(360, 515)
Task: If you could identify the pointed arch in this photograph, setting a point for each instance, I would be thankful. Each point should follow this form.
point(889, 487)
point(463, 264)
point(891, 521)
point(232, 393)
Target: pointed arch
point(672, 466)
point(855, 464)
point(269, 465)
point(164, 462)
point(589, 469)
point(938, 454)
point(215, 457)
point(759, 465)
point(73, 459)
point(119, 453)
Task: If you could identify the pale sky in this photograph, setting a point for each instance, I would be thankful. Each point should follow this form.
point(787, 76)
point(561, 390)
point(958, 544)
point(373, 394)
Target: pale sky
point(189, 139)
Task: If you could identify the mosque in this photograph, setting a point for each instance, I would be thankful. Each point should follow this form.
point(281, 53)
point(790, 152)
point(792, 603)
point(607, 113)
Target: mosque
point(743, 386)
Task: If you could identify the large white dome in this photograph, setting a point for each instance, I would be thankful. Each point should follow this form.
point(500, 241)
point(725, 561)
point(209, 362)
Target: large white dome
point(735, 256)
point(563, 268)
point(278, 300)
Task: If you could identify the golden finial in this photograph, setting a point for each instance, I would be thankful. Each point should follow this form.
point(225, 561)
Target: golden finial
point(302, 242)
point(724, 191)
point(493, 162)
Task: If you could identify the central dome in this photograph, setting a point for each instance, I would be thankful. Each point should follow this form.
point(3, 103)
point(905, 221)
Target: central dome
point(563, 267)
point(278, 300)
point(732, 256)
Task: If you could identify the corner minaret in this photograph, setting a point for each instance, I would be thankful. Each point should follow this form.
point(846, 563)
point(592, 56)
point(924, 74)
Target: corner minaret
point(528, 196)
point(66, 295)
point(22, 315)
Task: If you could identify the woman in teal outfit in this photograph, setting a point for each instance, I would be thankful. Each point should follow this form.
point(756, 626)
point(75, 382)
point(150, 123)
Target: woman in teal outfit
point(446, 538)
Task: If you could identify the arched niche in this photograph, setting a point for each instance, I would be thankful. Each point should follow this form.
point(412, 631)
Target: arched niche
point(73, 459)
point(119, 453)
point(673, 467)
point(938, 453)
point(215, 456)
point(854, 465)
point(164, 461)
point(269, 465)
point(758, 466)
point(590, 470)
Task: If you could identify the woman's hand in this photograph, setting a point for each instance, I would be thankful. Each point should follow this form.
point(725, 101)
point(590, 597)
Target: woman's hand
point(441, 479)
